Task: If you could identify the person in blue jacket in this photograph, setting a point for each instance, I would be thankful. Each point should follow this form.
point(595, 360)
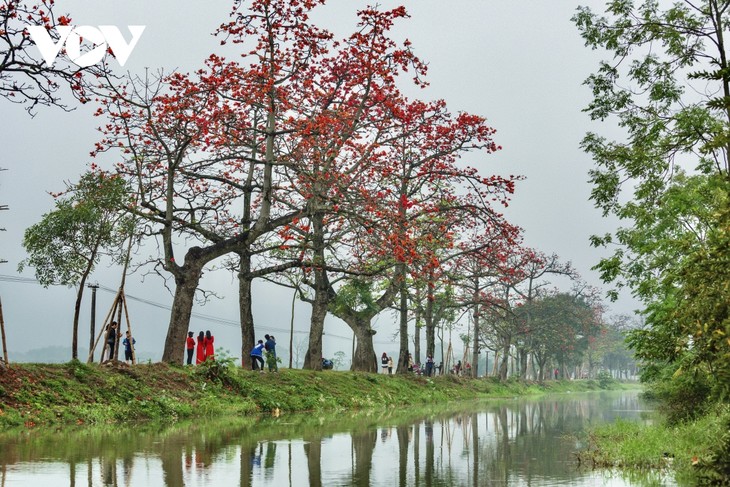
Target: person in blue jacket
point(128, 343)
point(270, 347)
point(257, 356)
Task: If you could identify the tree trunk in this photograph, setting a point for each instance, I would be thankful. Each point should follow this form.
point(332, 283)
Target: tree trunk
point(430, 327)
point(77, 313)
point(245, 306)
point(503, 366)
point(182, 306)
point(417, 330)
point(522, 354)
point(79, 297)
point(313, 357)
point(364, 359)
point(475, 351)
point(403, 355)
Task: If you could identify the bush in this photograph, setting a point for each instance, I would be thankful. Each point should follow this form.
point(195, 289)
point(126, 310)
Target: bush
point(682, 396)
point(716, 469)
point(605, 380)
point(272, 361)
point(221, 370)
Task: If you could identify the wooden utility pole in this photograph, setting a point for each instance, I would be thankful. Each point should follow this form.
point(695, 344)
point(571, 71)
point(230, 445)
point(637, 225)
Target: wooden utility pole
point(2, 332)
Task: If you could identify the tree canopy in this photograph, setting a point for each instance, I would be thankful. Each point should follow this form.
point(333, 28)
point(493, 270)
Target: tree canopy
point(667, 178)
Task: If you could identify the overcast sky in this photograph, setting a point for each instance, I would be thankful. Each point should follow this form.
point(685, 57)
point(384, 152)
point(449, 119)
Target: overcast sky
point(519, 63)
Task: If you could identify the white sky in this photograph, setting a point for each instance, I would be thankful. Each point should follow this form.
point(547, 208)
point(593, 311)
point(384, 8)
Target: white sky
point(519, 63)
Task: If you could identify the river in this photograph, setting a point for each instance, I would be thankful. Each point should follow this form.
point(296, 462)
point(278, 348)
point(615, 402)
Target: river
point(520, 442)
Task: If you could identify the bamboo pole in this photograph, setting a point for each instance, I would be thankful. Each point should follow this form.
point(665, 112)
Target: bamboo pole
point(118, 339)
point(102, 332)
point(122, 302)
point(129, 329)
point(2, 332)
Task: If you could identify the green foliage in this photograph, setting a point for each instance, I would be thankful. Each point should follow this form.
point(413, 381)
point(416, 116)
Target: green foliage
point(220, 370)
point(605, 379)
point(79, 370)
point(68, 241)
point(682, 395)
point(692, 449)
point(667, 180)
point(561, 327)
point(272, 361)
point(714, 469)
point(357, 295)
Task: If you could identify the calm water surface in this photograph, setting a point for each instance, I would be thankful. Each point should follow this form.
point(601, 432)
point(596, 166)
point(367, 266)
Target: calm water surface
point(521, 442)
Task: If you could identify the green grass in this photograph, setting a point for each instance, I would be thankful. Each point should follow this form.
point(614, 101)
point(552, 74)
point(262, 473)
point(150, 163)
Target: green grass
point(34, 395)
point(684, 447)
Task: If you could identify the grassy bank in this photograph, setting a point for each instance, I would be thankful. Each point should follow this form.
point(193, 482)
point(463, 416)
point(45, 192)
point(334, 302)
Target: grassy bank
point(33, 395)
point(693, 449)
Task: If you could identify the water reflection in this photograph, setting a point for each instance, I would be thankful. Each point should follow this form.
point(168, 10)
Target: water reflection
point(521, 442)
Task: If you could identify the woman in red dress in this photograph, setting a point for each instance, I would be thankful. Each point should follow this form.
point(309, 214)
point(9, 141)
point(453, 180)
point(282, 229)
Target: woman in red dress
point(200, 356)
point(209, 350)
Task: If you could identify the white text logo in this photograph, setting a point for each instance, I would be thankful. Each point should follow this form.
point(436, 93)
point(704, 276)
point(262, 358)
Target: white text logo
point(71, 36)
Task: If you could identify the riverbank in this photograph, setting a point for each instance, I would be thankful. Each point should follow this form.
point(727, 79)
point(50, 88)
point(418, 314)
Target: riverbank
point(697, 451)
point(42, 395)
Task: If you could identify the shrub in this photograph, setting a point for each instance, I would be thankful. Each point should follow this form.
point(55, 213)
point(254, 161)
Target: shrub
point(682, 396)
point(716, 469)
point(605, 379)
point(221, 370)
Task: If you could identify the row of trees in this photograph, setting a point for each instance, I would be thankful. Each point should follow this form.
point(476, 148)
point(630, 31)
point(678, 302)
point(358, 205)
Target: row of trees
point(303, 163)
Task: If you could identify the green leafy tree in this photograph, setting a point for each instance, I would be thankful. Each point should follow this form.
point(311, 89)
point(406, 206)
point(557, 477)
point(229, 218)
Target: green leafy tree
point(666, 179)
point(562, 328)
point(87, 222)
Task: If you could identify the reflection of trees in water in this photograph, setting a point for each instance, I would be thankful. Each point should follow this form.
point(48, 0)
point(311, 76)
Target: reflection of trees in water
point(403, 434)
point(313, 452)
point(492, 447)
point(364, 445)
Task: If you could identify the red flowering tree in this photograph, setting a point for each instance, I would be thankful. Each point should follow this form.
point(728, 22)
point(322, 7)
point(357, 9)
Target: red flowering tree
point(427, 197)
point(484, 258)
point(198, 146)
point(408, 203)
point(24, 76)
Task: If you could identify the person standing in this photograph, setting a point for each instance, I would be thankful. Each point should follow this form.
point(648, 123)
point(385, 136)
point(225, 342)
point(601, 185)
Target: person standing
point(384, 363)
point(209, 349)
point(429, 365)
point(190, 346)
point(128, 343)
point(257, 356)
point(200, 357)
point(270, 346)
point(111, 339)
point(390, 365)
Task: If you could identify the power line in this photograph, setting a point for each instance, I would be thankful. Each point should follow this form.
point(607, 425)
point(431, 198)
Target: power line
point(202, 316)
